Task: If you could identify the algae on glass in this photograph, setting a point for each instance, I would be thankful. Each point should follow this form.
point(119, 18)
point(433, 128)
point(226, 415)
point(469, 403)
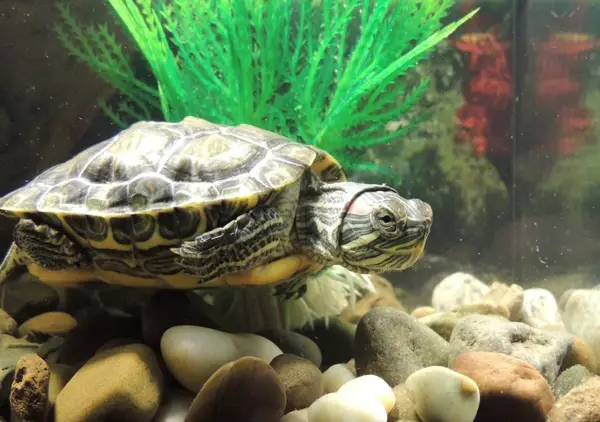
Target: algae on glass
point(573, 185)
point(328, 73)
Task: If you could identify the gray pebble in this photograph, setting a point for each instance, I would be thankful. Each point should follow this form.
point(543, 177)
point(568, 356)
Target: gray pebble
point(442, 323)
point(569, 379)
point(540, 309)
point(392, 344)
point(545, 350)
point(458, 289)
point(295, 343)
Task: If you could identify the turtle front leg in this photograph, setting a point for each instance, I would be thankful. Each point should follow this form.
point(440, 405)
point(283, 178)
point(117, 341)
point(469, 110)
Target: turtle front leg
point(47, 253)
point(251, 240)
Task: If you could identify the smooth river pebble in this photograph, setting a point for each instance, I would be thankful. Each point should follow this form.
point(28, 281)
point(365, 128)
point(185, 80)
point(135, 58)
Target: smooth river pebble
point(193, 354)
point(336, 376)
point(443, 395)
point(374, 386)
point(347, 407)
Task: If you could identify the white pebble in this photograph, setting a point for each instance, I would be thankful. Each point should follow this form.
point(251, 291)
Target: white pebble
point(296, 416)
point(509, 296)
point(192, 354)
point(174, 406)
point(347, 407)
point(442, 395)
point(457, 289)
point(581, 314)
point(335, 376)
point(372, 385)
point(257, 346)
point(540, 309)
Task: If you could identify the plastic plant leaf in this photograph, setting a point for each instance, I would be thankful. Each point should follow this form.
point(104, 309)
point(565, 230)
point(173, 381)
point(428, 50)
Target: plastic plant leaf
point(327, 73)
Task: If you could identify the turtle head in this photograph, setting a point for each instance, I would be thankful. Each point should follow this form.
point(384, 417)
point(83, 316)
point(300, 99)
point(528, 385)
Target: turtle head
point(382, 231)
point(366, 228)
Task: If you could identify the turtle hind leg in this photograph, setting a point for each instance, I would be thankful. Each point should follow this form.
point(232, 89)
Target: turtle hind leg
point(250, 240)
point(11, 267)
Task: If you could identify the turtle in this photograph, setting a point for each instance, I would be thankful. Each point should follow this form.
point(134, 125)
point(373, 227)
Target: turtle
point(191, 204)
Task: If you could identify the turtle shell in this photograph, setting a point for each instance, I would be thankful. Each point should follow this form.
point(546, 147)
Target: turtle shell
point(158, 183)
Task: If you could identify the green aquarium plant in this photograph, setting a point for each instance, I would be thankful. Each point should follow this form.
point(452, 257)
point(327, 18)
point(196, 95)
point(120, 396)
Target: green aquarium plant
point(328, 73)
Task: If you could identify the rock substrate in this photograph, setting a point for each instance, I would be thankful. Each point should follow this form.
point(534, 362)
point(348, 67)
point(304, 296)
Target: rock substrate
point(475, 353)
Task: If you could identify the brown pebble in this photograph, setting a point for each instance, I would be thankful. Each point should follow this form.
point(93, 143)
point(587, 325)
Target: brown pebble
point(83, 341)
point(50, 323)
point(245, 390)
point(483, 308)
point(59, 377)
point(580, 353)
point(511, 297)
point(7, 324)
point(121, 383)
point(511, 389)
point(302, 380)
point(29, 390)
point(403, 409)
point(581, 404)
point(423, 311)
point(384, 296)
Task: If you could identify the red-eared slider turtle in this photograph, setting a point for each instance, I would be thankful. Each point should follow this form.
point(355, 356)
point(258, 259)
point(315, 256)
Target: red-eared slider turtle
point(194, 204)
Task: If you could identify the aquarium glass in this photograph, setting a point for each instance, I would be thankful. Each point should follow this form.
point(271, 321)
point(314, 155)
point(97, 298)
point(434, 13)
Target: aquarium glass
point(227, 201)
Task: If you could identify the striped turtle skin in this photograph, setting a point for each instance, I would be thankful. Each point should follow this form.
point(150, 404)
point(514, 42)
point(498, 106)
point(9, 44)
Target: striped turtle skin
point(195, 204)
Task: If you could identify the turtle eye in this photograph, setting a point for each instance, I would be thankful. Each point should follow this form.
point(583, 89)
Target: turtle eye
point(385, 221)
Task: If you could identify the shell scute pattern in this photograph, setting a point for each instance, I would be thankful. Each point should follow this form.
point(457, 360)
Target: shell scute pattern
point(72, 168)
point(257, 135)
point(179, 223)
point(70, 195)
point(190, 192)
point(151, 191)
point(182, 164)
point(138, 228)
point(208, 157)
point(98, 197)
point(21, 199)
point(159, 183)
point(88, 227)
point(77, 224)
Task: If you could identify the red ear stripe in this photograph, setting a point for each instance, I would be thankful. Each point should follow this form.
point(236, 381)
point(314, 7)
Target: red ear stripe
point(359, 207)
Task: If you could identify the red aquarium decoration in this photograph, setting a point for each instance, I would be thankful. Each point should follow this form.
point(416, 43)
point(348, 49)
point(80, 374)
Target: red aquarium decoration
point(559, 94)
point(555, 85)
point(488, 92)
